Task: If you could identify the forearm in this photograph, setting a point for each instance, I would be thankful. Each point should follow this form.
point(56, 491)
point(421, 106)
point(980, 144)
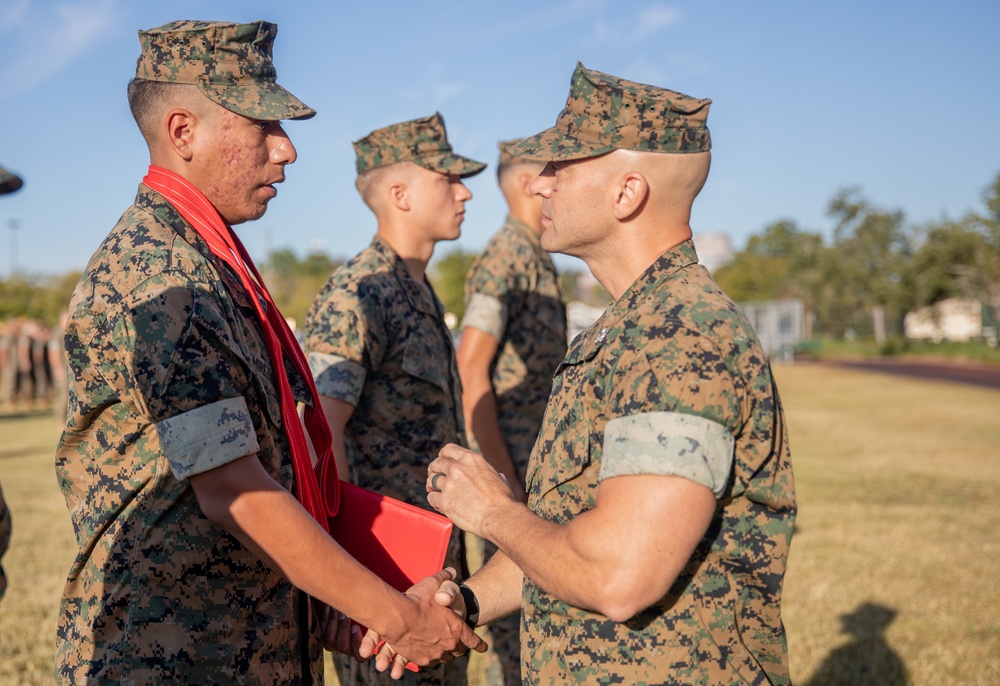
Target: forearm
point(273, 525)
point(616, 558)
point(482, 417)
point(497, 586)
point(548, 554)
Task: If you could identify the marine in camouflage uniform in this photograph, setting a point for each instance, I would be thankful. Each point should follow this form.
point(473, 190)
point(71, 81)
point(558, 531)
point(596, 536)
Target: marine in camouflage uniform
point(8, 184)
point(670, 382)
point(513, 338)
point(376, 340)
point(169, 376)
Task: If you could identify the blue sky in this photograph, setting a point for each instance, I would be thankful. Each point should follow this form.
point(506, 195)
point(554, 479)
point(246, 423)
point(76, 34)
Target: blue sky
point(895, 97)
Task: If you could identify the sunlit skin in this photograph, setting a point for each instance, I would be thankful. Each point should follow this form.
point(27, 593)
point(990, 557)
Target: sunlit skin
point(243, 160)
point(438, 208)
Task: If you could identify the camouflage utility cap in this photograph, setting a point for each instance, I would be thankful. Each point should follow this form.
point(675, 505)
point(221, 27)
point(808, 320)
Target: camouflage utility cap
point(9, 182)
point(230, 63)
point(421, 141)
point(605, 113)
point(506, 158)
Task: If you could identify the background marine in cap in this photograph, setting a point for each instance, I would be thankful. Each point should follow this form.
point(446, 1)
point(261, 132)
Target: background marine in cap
point(377, 343)
point(660, 494)
point(513, 338)
point(177, 457)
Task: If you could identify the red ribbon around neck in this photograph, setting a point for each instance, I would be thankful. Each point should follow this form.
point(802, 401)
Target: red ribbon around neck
point(321, 503)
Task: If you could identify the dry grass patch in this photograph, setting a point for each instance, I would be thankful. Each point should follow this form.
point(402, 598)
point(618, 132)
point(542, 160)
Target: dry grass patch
point(899, 492)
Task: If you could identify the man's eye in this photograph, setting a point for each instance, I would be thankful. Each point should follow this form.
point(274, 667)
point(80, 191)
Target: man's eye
point(262, 126)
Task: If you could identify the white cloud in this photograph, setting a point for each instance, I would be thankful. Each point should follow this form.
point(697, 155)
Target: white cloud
point(42, 41)
point(628, 31)
point(653, 19)
point(547, 19)
point(432, 92)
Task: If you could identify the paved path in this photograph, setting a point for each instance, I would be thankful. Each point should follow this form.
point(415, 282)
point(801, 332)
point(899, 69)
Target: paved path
point(974, 374)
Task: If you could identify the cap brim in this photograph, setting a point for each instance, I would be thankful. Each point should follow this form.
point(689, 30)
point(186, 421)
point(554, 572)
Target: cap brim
point(9, 182)
point(266, 101)
point(462, 167)
point(555, 144)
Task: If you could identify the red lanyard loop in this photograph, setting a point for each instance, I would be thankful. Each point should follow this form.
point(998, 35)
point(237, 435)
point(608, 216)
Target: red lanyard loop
point(191, 204)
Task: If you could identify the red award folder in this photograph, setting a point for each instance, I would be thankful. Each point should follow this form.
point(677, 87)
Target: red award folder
point(402, 543)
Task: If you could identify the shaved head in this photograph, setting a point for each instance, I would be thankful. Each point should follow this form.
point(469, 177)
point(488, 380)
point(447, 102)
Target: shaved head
point(370, 182)
point(151, 100)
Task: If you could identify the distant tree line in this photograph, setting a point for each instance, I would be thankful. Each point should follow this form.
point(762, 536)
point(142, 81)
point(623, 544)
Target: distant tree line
point(876, 268)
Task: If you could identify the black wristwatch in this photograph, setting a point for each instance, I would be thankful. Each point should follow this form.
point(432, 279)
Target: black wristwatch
point(471, 606)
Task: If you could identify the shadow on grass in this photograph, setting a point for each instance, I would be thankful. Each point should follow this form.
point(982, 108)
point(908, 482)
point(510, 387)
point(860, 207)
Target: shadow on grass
point(868, 660)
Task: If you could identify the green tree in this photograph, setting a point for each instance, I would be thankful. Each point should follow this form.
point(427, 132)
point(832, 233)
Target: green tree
point(870, 273)
point(43, 298)
point(447, 274)
point(782, 262)
point(294, 283)
point(954, 260)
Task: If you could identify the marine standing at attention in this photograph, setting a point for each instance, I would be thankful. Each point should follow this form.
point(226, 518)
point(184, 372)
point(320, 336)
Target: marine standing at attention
point(377, 343)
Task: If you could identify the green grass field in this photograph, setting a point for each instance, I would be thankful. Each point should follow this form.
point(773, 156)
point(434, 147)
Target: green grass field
point(893, 571)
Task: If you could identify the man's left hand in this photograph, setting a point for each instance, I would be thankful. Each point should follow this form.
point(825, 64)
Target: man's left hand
point(464, 487)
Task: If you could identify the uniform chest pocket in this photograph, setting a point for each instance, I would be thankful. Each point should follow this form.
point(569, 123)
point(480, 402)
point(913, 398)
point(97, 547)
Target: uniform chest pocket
point(562, 459)
point(425, 363)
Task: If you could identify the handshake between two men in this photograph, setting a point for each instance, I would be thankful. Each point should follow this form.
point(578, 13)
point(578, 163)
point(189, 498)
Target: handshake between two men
point(473, 492)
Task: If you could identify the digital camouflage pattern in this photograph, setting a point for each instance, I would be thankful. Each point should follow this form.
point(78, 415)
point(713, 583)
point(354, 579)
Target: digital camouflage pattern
point(512, 293)
point(605, 113)
point(421, 141)
point(672, 343)
point(169, 374)
point(230, 63)
point(376, 338)
point(9, 182)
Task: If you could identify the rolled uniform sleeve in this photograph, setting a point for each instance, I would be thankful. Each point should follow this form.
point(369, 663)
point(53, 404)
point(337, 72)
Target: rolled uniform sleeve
point(336, 377)
point(208, 437)
point(343, 342)
point(486, 313)
point(675, 411)
point(669, 444)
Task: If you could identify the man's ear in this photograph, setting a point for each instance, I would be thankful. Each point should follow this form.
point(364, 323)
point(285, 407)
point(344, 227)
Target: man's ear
point(632, 191)
point(179, 126)
point(398, 196)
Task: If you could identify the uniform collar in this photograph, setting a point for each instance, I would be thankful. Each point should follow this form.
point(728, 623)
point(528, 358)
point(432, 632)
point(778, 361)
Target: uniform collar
point(420, 298)
point(590, 341)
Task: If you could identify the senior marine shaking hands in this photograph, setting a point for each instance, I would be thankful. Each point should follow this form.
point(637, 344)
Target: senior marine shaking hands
point(661, 501)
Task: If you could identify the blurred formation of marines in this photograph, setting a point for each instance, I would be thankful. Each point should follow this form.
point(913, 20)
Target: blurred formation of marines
point(9, 183)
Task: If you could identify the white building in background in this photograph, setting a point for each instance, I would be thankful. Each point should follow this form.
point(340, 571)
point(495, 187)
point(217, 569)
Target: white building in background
point(714, 249)
point(953, 319)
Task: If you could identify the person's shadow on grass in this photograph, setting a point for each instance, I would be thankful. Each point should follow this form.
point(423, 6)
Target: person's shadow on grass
point(868, 660)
